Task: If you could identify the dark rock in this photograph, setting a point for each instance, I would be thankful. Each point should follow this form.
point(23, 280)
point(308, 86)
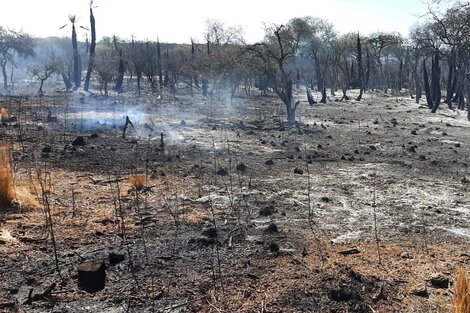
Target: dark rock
point(241, 167)
point(79, 141)
point(266, 211)
point(116, 258)
point(274, 247)
point(350, 251)
point(93, 136)
point(91, 276)
point(46, 149)
point(413, 132)
point(269, 162)
point(340, 294)
point(272, 228)
point(440, 280)
point(420, 292)
point(222, 171)
point(210, 232)
point(298, 171)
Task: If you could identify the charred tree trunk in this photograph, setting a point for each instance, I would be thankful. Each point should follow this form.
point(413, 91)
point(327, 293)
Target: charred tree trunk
point(91, 60)
point(436, 85)
point(426, 86)
point(121, 69)
point(76, 59)
point(159, 64)
point(451, 81)
point(345, 96)
point(360, 69)
point(4, 73)
point(67, 82)
point(366, 83)
point(323, 95)
point(310, 98)
point(205, 87)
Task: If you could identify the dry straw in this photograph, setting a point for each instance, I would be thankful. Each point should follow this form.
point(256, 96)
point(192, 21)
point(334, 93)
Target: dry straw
point(137, 181)
point(462, 293)
point(7, 190)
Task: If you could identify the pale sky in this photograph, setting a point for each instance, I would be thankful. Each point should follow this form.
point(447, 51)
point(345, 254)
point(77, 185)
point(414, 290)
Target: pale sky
point(179, 20)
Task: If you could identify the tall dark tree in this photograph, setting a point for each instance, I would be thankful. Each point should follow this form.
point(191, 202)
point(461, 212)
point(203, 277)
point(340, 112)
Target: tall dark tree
point(276, 53)
point(427, 88)
point(436, 83)
point(91, 59)
point(121, 68)
point(159, 64)
point(360, 69)
point(12, 42)
point(77, 66)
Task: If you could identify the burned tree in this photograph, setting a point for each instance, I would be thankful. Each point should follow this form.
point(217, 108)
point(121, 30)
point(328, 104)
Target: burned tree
point(276, 53)
point(44, 71)
point(360, 68)
point(77, 66)
point(11, 43)
point(91, 59)
point(121, 68)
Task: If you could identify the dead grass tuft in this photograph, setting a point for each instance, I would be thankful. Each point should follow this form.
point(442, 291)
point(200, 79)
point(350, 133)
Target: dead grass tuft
point(3, 112)
point(25, 197)
point(7, 190)
point(462, 293)
point(138, 181)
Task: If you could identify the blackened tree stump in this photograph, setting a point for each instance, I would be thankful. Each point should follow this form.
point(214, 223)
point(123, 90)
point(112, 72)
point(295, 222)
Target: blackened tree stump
point(91, 276)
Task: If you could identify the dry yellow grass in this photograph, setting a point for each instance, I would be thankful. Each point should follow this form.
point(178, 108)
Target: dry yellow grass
point(7, 190)
point(462, 293)
point(138, 181)
point(25, 197)
point(3, 112)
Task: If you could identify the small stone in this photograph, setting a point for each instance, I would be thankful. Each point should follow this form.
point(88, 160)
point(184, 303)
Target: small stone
point(266, 211)
point(79, 141)
point(115, 258)
point(274, 247)
point(46, 149)
point(420, 292)
point(91, 276)
point(210, 232)
point(241, 167)
point(298, 171)
point(440, 280)
point(406, 255)
point(272, 228)
point(269, 162)
point(222, 171)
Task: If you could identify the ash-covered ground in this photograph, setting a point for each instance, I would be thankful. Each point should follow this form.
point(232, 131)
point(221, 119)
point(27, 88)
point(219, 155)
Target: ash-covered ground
point(358, 208)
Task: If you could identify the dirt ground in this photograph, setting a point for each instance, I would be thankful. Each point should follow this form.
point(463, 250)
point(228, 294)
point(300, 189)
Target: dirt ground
point(356, 209)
